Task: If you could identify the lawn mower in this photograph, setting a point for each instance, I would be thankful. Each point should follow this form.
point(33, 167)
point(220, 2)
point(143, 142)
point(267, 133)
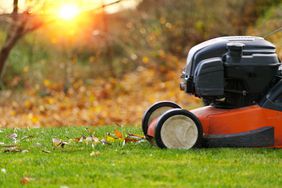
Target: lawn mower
point(239, 79)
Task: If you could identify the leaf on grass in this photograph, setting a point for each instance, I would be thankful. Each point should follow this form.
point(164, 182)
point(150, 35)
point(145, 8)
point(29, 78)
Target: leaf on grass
point(79, 139)
point(92, 139)
point(12, 149)
point(26, 137)
point(136, 135)
point(95, 153)
point(118, 133)
point(135, 138)
point(58, 142)
point(46, 151)
point(8, 146)
point(26, 180)
point(129, 140)
point(104, 141)
point(109, 138)
point(63, 144)
point(13, 136)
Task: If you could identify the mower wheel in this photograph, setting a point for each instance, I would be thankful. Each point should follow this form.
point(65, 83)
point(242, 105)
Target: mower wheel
point(178, 129)
point(155, 111)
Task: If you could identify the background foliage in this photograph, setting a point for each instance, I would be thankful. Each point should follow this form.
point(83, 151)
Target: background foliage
point(109, 72)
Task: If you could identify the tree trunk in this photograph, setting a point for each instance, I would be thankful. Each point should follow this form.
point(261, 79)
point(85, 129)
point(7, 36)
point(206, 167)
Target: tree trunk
point(14, 34)
point(12, 38)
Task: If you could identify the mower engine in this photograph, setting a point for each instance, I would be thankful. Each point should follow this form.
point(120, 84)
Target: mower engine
point(231, 72)
point(239, 79)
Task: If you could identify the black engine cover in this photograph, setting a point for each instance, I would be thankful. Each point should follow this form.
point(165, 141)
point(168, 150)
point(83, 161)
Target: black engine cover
point(231, 71)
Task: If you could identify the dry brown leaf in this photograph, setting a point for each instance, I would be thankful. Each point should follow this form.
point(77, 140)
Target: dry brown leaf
point(25, 180)
point(128, 140)
point(79, 139)
point(136, 135)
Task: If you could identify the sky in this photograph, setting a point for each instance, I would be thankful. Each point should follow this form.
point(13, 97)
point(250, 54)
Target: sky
point(6, 5)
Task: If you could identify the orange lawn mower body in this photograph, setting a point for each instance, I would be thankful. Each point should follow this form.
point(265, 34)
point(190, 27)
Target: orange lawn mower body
point(243, 127)
point(239, 79)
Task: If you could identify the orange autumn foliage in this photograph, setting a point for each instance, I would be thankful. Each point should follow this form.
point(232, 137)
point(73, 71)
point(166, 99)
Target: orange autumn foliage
point(103, 102)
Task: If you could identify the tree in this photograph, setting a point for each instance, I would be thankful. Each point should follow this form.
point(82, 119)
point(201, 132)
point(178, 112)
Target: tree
point(22, 23)
point(19, 24)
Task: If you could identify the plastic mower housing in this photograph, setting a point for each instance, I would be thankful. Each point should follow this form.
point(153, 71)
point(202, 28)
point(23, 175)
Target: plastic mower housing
point(239, 78)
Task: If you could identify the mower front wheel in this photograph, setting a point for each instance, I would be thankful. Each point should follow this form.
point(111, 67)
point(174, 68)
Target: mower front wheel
point(178, 129)
point(155, 111)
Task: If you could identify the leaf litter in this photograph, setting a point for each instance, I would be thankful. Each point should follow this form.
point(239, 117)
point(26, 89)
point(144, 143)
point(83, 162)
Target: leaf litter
point(114, 137)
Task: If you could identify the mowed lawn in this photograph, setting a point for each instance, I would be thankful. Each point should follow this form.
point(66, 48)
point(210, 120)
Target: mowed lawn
point(129, 165)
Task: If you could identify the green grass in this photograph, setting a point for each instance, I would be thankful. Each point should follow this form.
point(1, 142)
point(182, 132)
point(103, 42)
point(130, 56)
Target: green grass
point(132, 165)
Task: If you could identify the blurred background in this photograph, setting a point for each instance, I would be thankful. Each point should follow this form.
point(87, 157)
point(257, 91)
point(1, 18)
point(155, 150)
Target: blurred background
point(103, 62)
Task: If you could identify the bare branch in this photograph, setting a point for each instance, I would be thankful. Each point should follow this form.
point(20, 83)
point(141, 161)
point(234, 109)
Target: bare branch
point(15, 7)
point(110, 4)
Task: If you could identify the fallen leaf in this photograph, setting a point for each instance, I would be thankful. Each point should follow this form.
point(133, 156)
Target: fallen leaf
point(118, 133)
point(26, 137)
point(46, 151)
point(79, 139)
point(25, 180)
point(8, 146)
point(104, 142)
point(134, 138)
point(13, 136)
point(58, 142)
point(92, 139)
point(12, 149)
point(95, 153)
point(63, 144)
point(128, 140)
point(136, 135)
point(110, 138)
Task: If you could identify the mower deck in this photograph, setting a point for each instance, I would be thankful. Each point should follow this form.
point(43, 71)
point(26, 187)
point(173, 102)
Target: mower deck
point(251, 126)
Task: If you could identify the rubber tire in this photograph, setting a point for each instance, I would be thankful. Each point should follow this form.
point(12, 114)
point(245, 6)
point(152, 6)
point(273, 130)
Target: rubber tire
point(153, 108)
point(171, 113)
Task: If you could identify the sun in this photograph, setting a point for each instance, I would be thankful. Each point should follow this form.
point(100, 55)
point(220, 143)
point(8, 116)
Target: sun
point(68, 11)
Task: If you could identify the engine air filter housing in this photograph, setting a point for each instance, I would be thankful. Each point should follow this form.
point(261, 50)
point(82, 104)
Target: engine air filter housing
point(231, 71)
